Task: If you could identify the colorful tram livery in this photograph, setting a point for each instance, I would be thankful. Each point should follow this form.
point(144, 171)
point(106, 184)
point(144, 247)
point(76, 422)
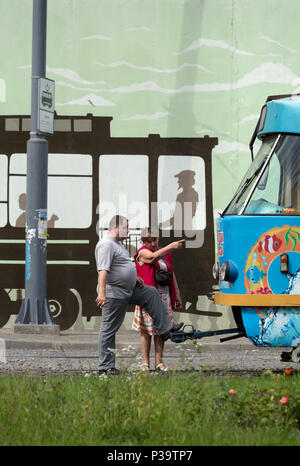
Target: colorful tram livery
point(258, 234)
point(89, 173)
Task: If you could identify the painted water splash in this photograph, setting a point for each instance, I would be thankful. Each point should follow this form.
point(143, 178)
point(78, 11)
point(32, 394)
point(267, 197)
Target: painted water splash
point(294, 283)
point(281, 326)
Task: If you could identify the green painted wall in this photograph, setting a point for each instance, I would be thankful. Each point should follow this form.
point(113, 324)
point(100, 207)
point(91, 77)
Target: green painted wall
point(175, 67)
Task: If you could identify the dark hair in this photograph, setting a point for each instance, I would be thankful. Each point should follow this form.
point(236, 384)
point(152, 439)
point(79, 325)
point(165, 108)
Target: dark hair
point(149, 232)
point(116, 221)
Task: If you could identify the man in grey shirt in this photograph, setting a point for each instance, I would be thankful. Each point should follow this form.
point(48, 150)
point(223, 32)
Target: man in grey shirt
point(118, 286)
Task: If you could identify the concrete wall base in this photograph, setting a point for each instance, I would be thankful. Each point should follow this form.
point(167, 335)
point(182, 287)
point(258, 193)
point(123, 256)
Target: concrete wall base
point(37, 329)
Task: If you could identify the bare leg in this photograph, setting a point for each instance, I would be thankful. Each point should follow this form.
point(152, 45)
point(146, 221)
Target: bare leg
point(159, 347)
point(145, 347)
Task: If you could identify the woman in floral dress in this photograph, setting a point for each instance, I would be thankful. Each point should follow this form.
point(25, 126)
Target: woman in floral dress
point(148, 259)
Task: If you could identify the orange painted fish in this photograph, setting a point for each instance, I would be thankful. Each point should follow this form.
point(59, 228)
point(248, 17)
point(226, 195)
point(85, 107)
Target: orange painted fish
point(270, 244)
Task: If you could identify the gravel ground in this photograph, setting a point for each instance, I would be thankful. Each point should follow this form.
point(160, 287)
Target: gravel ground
point(209, 360)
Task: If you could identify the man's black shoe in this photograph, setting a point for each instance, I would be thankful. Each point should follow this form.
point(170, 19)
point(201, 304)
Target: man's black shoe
point(109, 371)
point(167, 335)
point(286, 356)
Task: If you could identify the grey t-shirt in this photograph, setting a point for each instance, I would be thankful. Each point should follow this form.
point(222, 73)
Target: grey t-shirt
point(112, 256)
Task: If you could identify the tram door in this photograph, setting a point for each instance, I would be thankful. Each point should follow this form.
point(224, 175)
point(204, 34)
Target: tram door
point(171, 192)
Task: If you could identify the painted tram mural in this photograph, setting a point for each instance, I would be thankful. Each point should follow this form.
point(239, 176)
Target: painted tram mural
point(165, 182)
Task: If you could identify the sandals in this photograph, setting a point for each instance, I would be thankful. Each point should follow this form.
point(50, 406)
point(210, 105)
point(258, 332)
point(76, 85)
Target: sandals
point(161, 367)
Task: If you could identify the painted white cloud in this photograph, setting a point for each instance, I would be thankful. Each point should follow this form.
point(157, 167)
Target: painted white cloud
point(76, 88)
point(203, 42)
point(154, 116)
point(211, 131)
point(224, 147)
point(152, 68)
point(96, 37)
point(90, 99)
point(264, 74)
point(139, 28)
point(246, 119)
point(2, 90)
point(71, 75)
point(268, 73)
point(65, 73)
point(138, 87)
point(272, 41)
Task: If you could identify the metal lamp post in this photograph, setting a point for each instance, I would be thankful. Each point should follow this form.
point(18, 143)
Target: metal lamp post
point(35, 307)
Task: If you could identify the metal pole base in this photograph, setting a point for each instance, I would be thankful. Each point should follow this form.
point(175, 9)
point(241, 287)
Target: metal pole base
point(35, 311)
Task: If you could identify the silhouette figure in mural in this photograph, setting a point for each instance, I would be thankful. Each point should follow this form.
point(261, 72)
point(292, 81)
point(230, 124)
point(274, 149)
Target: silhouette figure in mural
point(183, 217)
point(182, 221)
point(21, 220)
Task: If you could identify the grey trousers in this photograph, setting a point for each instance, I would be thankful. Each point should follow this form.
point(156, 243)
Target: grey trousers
point(113, 314)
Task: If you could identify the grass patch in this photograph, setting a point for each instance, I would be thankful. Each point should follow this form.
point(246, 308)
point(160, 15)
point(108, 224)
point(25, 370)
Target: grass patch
point(145, 409)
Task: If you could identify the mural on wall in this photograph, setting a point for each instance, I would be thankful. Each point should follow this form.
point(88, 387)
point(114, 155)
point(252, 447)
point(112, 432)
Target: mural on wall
point(168, 67)
point(161, 67)
point(94, 177)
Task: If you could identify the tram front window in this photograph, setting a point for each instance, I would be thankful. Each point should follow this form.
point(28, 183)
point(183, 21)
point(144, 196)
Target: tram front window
point(272, 183)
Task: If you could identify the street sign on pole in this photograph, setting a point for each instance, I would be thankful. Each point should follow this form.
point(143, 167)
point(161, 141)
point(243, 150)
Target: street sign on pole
point(46, 92)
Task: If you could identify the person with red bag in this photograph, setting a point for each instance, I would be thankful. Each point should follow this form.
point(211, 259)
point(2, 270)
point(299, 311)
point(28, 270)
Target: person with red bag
point(154, 265)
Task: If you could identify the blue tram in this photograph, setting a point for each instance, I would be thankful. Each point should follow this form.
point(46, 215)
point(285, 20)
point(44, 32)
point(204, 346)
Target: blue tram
point(258, 234)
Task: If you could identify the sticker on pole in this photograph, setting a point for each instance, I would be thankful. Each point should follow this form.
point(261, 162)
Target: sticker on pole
point(42, 224)
point(46, 89)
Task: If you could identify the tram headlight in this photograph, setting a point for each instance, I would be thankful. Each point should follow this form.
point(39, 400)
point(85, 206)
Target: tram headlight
point(228, 272)
point(216, 270)
point(224, 271)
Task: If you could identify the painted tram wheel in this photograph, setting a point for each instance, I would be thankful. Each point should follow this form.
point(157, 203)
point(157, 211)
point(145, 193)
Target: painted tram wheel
point(5, 308)
point(64, 308)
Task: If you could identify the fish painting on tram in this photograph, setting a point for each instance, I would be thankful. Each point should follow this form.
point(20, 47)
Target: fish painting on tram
point(270, 244)
point(255, 274)
point(267, 251)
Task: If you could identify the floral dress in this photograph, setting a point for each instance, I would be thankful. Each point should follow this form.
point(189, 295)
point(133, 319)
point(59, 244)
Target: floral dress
point(142, 322)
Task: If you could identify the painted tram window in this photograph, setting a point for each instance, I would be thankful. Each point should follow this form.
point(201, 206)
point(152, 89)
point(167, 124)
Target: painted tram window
point(69, 190)
point(181, 193)
point(123, 189)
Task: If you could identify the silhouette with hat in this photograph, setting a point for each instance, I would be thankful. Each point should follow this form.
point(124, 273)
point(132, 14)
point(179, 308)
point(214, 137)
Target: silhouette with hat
point(183, 218)
point(21, 220)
